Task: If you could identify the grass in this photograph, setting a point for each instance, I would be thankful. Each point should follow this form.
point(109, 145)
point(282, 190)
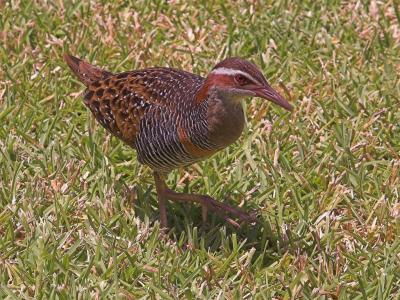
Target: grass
point(78, 214)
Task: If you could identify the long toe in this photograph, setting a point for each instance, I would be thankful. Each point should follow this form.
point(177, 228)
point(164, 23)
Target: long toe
point(225, 209)
point(227, 212)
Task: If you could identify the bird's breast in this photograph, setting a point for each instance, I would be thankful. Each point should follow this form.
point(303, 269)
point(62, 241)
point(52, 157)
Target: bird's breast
point(225, 122)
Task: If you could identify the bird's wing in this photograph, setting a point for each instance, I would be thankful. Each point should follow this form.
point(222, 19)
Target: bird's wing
point(120, 101)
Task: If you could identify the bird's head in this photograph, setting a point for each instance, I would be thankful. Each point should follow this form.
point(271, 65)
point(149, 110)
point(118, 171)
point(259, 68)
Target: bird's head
point(238, 78)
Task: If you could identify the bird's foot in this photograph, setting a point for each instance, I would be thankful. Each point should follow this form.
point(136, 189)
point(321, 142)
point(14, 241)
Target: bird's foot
point(225, 211)
point(233, 215)
point(208, 203)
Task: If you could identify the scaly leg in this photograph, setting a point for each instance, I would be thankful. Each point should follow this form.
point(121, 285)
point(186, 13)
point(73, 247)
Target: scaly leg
point(161, 189)
point(207, 202)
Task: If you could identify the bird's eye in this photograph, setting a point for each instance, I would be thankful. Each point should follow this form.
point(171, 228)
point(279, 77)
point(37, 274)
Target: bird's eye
point(240, 79)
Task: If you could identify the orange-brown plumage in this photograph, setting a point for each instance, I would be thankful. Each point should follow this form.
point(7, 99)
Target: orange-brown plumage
point(174, 118)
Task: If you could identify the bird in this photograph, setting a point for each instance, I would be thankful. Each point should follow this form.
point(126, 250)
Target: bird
point(174, 118)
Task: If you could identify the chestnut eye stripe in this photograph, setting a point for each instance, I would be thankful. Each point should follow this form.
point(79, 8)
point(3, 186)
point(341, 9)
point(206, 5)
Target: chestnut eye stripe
point(233, 72)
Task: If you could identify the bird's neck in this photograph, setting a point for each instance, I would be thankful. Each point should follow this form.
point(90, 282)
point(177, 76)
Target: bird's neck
point(223, 113)
point(225, 118)
point(212, 83)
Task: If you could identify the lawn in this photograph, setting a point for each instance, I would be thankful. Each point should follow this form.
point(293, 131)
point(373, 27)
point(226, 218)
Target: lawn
point(78, 214)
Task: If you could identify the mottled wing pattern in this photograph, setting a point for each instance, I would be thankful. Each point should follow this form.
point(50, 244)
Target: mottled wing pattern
point(120, 102)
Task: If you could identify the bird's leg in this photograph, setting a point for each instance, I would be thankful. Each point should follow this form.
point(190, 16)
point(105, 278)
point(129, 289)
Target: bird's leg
point(161, 191)
point(206, 202)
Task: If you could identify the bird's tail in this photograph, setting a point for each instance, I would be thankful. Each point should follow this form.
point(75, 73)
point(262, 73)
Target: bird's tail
point(86, 72)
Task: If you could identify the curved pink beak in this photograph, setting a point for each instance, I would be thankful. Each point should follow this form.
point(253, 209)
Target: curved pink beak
point(270, 94)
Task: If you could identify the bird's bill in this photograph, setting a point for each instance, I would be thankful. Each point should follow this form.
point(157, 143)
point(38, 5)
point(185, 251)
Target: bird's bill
point(270, 94)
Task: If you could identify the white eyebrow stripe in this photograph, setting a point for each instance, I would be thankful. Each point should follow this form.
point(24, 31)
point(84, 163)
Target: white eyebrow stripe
point(227, 71)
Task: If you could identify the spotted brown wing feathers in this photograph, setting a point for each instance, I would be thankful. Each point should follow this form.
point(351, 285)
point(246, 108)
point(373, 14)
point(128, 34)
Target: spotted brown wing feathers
point(119, 102)
point(150, 111)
